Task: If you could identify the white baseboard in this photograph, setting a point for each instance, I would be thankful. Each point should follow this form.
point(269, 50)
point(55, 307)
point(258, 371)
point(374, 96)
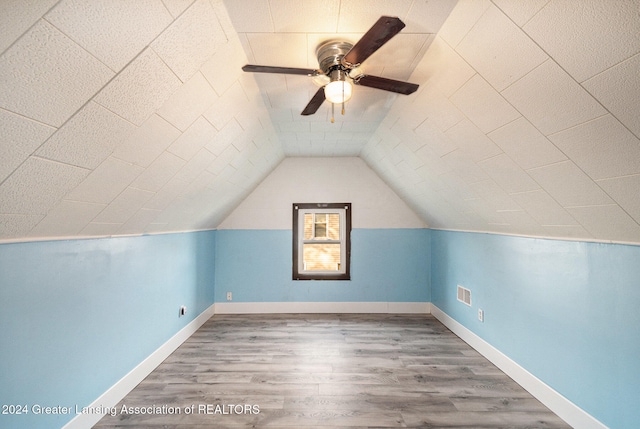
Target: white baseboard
point(111, 397)
point(564, 408)
point(322, 307)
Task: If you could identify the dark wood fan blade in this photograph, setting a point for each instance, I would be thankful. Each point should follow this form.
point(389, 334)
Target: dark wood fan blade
point(387, 84)
point(315, 103)
point(283, 70)
point(382, 31)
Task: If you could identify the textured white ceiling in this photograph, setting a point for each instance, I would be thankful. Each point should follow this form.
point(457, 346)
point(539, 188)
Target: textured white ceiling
point(287, 33)
point(134, 117)
point(125, 117)
point(526, 122)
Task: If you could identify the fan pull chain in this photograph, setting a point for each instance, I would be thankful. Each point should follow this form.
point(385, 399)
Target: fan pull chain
point(342, 98)
point(332, 109)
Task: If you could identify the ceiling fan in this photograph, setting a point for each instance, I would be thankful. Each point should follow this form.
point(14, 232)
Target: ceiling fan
point(339, 67)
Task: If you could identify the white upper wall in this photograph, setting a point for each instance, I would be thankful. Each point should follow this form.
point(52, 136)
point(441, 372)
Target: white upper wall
point(326, 180)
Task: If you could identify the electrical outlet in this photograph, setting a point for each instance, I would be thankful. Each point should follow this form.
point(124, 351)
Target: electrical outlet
point(481, 315)
point(229, 296)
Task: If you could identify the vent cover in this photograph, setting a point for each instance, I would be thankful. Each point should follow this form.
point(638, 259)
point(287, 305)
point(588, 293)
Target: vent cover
point(464, 295)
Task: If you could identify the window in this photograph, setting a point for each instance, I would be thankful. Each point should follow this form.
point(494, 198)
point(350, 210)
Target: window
point(321, 241)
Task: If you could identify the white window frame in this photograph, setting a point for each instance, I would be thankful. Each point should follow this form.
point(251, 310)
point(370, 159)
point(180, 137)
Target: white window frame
point(299, 211)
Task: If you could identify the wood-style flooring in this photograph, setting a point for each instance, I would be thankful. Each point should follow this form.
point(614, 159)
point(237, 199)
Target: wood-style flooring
point(328, 371)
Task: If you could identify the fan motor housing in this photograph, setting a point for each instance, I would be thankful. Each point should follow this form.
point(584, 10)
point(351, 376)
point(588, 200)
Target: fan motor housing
point(330, 53)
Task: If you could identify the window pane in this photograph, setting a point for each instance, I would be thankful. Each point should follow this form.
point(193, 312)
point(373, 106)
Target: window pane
point(308, 226)
point(321, 226)
point(321, 231)
point(321, 257)
point(334, 226)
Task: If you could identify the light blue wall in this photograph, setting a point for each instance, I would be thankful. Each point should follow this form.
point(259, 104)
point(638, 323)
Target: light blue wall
point(568, 312)
point(387, 265)
point(78, 315)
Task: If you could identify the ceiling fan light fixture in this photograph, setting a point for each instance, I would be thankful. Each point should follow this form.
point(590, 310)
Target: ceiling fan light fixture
point(340, 89)
point(339, 70)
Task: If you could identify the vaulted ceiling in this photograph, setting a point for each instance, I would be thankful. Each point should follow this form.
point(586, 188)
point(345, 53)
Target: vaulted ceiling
point(130, 117)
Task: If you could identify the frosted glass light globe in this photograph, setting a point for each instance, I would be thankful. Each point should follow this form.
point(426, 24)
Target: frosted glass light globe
point(338, 91)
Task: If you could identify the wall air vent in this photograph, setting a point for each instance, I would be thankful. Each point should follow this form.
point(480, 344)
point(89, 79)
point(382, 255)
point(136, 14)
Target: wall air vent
point(464, 295)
